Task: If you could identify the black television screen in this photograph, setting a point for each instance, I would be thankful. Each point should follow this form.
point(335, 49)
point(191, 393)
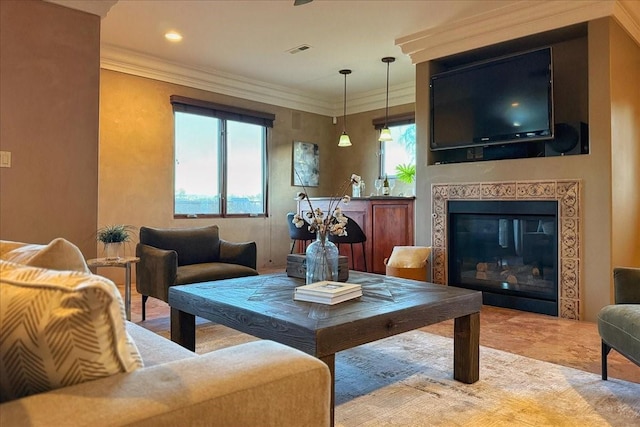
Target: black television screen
point(501, 101)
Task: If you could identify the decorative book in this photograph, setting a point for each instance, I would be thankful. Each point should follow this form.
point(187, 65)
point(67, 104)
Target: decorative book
point(327, 292)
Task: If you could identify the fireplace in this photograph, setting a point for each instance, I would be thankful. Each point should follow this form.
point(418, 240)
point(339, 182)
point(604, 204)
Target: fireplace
point(506, 249)
point(566, 193)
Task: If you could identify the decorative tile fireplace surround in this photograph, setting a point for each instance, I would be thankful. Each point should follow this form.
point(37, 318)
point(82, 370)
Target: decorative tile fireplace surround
point(565, 192)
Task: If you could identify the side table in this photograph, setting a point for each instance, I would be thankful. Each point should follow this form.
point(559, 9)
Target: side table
point(124, 262)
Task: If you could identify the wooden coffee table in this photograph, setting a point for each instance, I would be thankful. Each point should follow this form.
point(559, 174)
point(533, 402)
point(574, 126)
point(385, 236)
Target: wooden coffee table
point(263, 306)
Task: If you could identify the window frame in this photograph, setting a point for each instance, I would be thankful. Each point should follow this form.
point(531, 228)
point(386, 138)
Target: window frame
point(224, 114)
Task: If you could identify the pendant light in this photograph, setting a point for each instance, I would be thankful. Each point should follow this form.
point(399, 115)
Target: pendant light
point(344, 138)
point(385, 133)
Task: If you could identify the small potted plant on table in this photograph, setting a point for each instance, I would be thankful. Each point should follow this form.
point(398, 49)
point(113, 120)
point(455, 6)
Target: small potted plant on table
point(113, 238)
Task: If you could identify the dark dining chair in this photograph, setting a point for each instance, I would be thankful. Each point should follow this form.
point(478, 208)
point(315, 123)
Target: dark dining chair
point(354, 235)
point(301, 234)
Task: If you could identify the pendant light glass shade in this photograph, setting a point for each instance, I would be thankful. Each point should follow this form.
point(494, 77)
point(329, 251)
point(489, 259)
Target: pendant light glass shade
point(385, 133)
point(345, 141)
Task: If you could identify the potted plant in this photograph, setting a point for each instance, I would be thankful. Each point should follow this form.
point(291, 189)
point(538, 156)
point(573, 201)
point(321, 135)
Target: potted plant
point(406, 173)
point(113, 238)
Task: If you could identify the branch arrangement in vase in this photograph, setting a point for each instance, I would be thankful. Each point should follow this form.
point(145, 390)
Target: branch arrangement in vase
point(333, 221)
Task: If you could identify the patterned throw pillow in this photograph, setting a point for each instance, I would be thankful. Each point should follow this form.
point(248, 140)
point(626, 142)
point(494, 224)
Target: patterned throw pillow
point(59, 328)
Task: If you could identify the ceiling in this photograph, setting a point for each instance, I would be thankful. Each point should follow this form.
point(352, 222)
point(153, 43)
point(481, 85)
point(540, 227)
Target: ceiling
point(251, 39)
point(229, 44)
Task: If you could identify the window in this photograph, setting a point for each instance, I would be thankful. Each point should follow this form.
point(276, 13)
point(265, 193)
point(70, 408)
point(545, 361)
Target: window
point(402, 150)
point(220, 160)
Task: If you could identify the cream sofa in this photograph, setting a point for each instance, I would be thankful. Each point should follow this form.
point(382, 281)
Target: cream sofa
point(261, 383)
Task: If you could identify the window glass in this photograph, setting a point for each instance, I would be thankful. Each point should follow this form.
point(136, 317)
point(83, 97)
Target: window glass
point(219, 160)
point(400, 151)
point(197, 159)
point(245, 168)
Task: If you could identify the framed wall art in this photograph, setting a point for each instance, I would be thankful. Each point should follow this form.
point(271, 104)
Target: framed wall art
point(306, 164)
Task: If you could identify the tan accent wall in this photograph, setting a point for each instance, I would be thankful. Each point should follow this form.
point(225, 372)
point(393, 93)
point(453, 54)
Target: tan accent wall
point(362, 158)
point(594, 170)
point(136, 162)
point(625, 149)
point(49, 88)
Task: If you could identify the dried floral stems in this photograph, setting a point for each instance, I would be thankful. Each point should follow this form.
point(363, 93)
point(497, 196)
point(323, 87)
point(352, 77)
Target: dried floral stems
point(334, 222)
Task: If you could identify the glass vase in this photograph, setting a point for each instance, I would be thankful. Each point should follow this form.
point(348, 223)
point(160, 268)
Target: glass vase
point(355, 190)
point(322, 260)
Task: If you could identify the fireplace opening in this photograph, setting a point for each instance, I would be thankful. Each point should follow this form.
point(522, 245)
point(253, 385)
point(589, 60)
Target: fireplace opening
point(506, 249)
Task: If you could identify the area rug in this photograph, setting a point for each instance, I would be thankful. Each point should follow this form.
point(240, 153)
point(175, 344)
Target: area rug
point(407, 380)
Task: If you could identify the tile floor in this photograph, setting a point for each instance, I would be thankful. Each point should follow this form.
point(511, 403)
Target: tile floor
point(565, 342)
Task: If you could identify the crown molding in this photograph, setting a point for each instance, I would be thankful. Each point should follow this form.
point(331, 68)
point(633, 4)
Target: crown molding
point(126, 61)
point(627, 13)
point(367, 101)
point(129, 62)
point(515, 20)
point(95, 7)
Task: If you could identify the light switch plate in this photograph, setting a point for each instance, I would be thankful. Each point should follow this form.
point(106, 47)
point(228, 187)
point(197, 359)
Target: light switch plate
point(5, 159)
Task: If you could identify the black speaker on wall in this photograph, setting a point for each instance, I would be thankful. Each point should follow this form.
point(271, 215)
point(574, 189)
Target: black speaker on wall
point(568, 139)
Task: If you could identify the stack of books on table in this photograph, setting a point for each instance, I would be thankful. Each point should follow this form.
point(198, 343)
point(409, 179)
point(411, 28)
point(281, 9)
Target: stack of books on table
point(327, 292)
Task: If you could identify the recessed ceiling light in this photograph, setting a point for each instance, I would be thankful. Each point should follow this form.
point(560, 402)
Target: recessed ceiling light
point(173, 36)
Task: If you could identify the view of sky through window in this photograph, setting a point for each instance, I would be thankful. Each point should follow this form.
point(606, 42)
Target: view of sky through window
point(198, 166)
point(402, 150)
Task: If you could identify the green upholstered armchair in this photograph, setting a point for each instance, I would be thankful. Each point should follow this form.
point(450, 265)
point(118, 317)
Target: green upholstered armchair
point(183, 256)
point(619, 324)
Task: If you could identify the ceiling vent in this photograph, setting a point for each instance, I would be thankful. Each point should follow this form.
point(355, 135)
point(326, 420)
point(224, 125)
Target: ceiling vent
point(300, 48)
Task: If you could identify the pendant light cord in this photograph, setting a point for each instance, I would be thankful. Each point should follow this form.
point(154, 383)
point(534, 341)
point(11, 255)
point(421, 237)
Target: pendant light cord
point(387, 60)
point(344, 111)
point(386, 111)
point(345, 73)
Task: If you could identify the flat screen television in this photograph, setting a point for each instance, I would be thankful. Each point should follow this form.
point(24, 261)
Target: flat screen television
point(507, 100)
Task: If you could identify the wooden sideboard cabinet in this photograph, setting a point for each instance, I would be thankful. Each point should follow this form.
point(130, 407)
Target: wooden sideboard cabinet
point(386, 221)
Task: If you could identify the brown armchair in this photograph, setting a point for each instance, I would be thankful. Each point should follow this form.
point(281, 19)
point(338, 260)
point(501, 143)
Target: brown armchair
point(170, 257)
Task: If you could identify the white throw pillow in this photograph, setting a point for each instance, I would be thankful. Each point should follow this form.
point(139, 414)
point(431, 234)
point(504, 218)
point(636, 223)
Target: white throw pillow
point(59, 328)
point(59, 254)
point(409, 256)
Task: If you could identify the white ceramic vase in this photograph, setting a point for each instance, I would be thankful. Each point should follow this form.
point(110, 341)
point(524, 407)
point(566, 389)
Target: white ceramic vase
point(113, 251)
